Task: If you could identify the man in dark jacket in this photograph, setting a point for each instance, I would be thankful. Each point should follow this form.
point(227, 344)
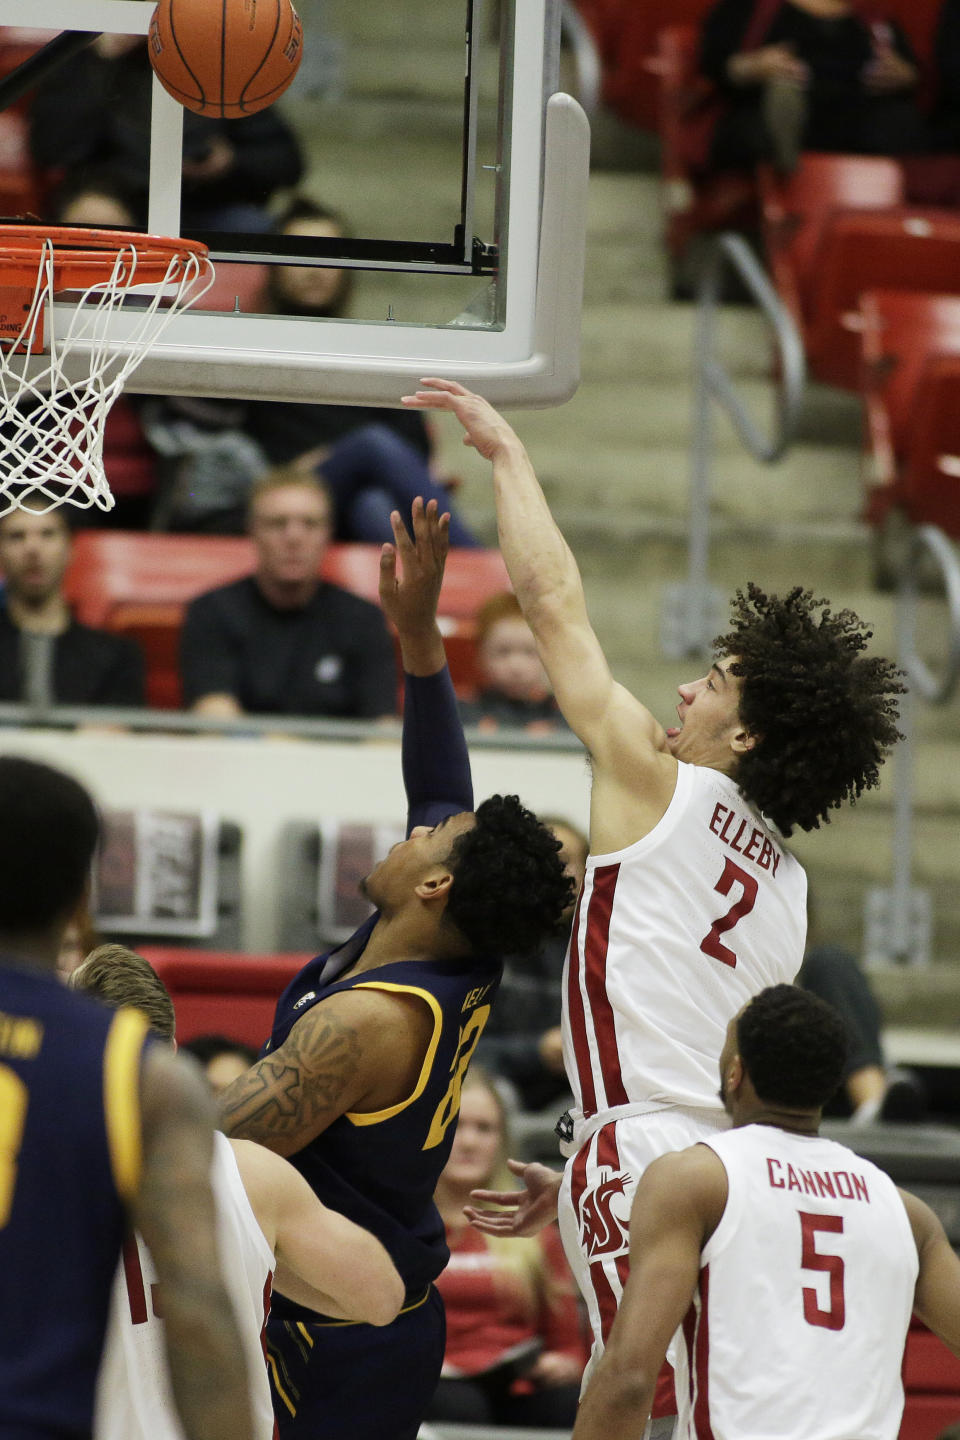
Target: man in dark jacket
point(46, 656)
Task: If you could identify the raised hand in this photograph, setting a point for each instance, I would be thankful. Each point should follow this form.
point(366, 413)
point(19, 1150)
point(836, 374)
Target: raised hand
point(409, 595)
point(522, 1212)
point(486, 429)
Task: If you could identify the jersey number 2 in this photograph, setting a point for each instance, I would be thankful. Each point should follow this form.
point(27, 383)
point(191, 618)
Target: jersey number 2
point(711, 944)
point(811, 1259)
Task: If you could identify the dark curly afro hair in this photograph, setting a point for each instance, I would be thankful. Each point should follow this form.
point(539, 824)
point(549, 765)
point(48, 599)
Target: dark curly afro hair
point(510, 889)
point(793, 1046)
point(824, 713)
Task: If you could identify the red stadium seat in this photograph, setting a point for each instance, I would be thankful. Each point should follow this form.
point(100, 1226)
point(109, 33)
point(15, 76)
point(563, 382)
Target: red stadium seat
point(795, 212)
point(140, 584)
point(911, 362)
point(931, 1382)
point(859, 252)
point(231, 994)
point(236, 287)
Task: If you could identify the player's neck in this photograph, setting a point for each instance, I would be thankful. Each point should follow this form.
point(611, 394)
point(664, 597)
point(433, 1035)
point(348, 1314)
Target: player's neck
point(395, 938)
point(794, 1122)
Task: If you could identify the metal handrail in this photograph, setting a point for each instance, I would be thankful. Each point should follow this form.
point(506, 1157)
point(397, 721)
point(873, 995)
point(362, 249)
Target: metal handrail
point(929, 540)
point(732, 250)
point(689, 621)
point(899, 919)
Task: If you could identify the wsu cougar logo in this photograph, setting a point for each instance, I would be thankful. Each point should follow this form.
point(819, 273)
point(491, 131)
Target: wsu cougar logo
point(602, 1232)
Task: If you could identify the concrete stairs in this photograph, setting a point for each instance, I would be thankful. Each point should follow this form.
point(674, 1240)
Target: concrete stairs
point(614, 460)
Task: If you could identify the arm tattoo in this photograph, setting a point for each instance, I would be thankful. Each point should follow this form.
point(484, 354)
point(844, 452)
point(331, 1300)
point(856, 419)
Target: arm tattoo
point(296, 1092)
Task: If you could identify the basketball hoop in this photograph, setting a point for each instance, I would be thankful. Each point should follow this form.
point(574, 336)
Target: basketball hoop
point(62, 366)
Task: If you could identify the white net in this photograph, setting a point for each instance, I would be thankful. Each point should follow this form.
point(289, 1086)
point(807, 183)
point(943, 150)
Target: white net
point(54, 403)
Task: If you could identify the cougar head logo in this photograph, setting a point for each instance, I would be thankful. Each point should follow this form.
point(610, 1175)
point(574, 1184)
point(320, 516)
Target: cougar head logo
point(601, 1231)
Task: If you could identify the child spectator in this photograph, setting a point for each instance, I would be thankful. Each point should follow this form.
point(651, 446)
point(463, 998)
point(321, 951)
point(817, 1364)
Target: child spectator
point(513, 689)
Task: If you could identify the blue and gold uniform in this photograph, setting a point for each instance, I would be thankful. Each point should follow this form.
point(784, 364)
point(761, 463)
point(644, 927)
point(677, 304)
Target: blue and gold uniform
point(69, 1159)
point(334, 1380)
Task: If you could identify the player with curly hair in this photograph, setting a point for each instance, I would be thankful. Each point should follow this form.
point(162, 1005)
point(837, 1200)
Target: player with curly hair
point(359, 1085)
point(691, 902)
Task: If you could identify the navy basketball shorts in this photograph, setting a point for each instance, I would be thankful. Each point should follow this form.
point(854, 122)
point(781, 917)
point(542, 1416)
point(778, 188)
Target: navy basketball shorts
point(335, 1380)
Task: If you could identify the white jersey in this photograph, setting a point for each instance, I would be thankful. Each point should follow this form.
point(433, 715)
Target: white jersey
point(806, 1289)
point(672, 936)
point(134, 1400)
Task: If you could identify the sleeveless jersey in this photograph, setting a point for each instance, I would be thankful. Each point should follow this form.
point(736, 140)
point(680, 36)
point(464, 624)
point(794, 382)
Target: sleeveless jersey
point(806, 1290)
point(134, 1398)
point(69, 1159)
point(671, 937)
point(381, 1169)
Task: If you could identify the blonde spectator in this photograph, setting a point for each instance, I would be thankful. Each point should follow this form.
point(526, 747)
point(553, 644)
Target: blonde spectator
point(515, 1345)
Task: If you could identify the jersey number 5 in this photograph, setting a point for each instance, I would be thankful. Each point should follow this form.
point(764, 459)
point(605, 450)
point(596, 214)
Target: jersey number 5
point(811, 1259)
point(711, 944)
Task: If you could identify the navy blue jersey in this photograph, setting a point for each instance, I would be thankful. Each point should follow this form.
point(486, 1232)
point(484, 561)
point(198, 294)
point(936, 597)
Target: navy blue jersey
point(381, 1168)
point(69, 1158)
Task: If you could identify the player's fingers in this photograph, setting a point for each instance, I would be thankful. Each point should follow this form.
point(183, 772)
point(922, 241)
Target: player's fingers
point(400, 534)
point(516, 1167)
point(497, 1197)
point(451, 387)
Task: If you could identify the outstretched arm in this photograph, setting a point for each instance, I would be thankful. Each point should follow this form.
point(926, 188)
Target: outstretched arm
point(324, 1260)
point(678, 1204)
point(436, 766)
point(620, 733)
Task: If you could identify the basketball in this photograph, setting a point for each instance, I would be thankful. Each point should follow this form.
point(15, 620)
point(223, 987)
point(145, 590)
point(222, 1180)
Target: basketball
point(225, 58)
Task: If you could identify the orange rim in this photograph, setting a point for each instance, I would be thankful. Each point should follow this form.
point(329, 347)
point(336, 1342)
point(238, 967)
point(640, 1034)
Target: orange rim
point(81, 256)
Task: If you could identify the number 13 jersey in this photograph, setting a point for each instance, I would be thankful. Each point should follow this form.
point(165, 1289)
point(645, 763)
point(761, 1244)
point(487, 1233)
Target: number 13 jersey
point(806, 1287)
point(671, 937)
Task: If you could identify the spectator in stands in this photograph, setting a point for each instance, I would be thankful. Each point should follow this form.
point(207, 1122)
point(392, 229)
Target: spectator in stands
point(96, 111)
point(223, 1060)
point(373, 460)
point(521, 1042)
point(98, 196)
point(513, 690)
point(515, 1348)
point(282, 641)
point(870, 1090)
point(46, 656)
point(819, 75)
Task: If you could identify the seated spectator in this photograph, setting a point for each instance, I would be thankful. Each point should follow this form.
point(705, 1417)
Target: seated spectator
point(96, 111)
point(46, 656)
point(515, 1349)
point(98, 197)
point(822, 75)
point(513, 689)
point(870, 1090)
point(223, 1060)
point(282, 641)
point(373, 459)
point(521, 1040)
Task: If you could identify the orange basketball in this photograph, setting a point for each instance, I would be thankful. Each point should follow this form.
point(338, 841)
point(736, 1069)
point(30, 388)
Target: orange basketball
point(225, 58)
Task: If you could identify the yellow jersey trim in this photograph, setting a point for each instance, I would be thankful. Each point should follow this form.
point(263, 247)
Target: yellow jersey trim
point(374, 1117)
point(340, 1324)
point(121, 1098)
point(271, 1361)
